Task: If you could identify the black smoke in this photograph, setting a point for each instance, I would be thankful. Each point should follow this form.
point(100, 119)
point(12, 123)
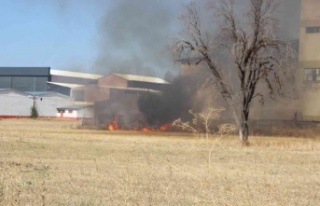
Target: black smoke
point(134, 37)
point(184, 93)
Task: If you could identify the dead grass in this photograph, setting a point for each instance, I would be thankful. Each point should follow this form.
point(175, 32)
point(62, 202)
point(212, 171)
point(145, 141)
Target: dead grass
point(47, 162)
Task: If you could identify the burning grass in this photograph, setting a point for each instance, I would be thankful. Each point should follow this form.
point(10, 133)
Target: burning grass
point(115, 126)
point(47, 162)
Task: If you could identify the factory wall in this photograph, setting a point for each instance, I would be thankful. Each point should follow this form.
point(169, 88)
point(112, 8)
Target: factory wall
point(15, 104)
point(47, 104)
point(309, 60)
point(18, 104)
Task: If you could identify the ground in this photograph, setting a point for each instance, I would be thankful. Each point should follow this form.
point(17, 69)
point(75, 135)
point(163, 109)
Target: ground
point(49, 162)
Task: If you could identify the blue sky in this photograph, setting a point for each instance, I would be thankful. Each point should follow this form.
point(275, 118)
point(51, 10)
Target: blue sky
point(44, 33)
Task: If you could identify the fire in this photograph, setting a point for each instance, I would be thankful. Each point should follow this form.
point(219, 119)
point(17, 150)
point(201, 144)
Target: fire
point(146, 129)
point(112, 126)
point(162, 128)
point(165, 127)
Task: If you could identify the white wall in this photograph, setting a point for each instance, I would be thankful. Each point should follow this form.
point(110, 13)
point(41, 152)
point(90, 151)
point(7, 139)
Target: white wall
point(86, 112)
point(68, 114)
point(15, 105)
point(47, 106)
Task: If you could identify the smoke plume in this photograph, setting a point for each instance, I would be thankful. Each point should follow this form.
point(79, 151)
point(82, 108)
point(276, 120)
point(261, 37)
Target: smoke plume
point(134, 36)
point(289, 16)
point(188, 93)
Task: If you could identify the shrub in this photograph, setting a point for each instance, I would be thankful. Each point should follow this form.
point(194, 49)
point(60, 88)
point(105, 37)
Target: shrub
point(34, 112)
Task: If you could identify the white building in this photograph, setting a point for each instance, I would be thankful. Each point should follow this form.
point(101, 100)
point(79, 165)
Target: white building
point(14, 103)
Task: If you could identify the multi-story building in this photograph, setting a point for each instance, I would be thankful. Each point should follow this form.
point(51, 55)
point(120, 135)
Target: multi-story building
point(309, 59)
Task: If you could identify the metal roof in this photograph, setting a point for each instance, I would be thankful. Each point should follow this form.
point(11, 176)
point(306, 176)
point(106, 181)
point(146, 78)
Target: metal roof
point(122, 88)
point(65, 84)
point(133, 89)
point(139, 78)
point(24, 71)
point(48, 94)
point(74, 107)
point(10, 90)
point(75, 74)
point(33, 94)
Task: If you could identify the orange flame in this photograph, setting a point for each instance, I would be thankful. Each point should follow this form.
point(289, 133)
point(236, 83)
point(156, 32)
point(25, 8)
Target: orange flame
point(112, 126)
point(146, 129)
point(165, 127)
point(162, 128)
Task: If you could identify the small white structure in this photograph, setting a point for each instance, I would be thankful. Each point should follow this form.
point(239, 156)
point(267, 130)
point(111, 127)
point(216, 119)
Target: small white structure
point(76, 111)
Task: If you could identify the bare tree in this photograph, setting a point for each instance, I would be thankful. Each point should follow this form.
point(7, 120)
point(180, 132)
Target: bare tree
point(242, 52)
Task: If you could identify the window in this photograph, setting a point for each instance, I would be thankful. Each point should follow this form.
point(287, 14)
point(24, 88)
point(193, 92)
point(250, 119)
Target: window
point(312, 74)
point(315, 29)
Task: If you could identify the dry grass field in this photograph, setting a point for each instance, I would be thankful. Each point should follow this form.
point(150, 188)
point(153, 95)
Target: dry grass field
point(48, 162)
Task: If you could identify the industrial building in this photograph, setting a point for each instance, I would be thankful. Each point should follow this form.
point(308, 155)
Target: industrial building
point(65, 94)
point(115, 96)
point(23, 87)
point(25, 78)
point(31, 79)
point(309, 59)
point(113, 82)
point(64, 81)
point(14, 103)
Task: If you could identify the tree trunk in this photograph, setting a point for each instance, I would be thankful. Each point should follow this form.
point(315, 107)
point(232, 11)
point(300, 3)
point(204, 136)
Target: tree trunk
point(244, 127)
point(241, 121)
point(244, 132)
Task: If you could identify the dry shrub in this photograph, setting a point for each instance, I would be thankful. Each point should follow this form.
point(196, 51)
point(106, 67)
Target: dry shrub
point(227, 129)
point(203, 122)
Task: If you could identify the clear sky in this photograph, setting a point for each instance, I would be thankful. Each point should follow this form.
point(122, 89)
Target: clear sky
point(92, 35)
point(47, 33)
